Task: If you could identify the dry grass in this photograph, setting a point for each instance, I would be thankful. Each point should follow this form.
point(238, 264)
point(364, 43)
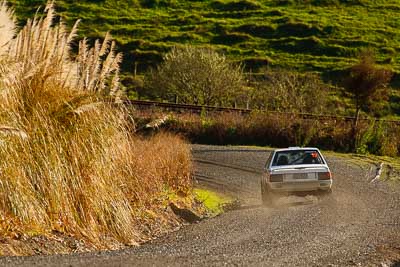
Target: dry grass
point(280, 130)
point(69, 162)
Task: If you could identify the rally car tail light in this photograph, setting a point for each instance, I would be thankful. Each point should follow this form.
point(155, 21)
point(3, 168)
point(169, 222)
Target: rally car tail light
point(324, 175)
point(276, 178)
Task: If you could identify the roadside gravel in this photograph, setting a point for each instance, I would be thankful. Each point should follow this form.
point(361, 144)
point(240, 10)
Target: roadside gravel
point(359, 225)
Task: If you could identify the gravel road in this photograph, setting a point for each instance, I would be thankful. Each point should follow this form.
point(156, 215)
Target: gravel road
point(358, 225)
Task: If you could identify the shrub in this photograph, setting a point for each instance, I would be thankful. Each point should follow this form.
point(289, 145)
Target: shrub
point(196, 76)
point(378, 138)
point(367, 83)
point(283, 130)
point(69, 163)
point(256, 63)
point(289, 91)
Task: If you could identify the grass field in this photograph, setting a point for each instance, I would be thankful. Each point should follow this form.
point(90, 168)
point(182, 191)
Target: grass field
point(313, 35)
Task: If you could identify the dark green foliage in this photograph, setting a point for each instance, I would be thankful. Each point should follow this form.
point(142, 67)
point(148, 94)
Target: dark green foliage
point(180, 38)
point(336, 2)
point(314, 46)
point(395, 103)
point(323, 3)
point(395, 80)
point(25, 9)
point(263, 31)
point(157, 3)
point(231, 38)
point(297, 29)
point(274, 13)
point(143, 59)
point(233, 14)
point(256, 63)
point(240, 5)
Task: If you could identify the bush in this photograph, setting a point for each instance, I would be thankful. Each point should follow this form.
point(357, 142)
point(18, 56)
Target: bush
point(367, 84)
point(69, 163)
point(283, 130)
point(279, 130)
point(378, 138)
point(290, 91)
point(196, 76)
point(255, 64)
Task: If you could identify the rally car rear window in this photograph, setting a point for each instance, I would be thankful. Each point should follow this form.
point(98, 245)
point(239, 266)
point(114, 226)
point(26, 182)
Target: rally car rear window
point(297, 157)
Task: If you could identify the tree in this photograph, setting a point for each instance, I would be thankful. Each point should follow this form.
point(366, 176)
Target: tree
point(367, 84)
point(290, 91)
point(196, 76)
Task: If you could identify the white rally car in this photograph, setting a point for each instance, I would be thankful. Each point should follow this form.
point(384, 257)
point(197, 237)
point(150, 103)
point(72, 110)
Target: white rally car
point(295, 170)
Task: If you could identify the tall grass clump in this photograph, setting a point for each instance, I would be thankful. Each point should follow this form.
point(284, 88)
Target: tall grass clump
point(68, 160)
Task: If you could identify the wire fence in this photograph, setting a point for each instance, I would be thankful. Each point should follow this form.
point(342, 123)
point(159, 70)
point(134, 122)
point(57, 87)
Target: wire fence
point(199, 108)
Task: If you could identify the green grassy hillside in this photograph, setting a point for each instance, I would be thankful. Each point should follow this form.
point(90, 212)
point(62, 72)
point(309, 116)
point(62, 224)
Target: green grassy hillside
point(316, 35)
point(308, 35)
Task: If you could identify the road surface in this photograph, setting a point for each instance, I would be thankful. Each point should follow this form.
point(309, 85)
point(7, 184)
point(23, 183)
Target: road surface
point(358, 225)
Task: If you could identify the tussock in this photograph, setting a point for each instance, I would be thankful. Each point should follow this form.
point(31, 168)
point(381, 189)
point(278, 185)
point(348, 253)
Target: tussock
point(68, 161)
